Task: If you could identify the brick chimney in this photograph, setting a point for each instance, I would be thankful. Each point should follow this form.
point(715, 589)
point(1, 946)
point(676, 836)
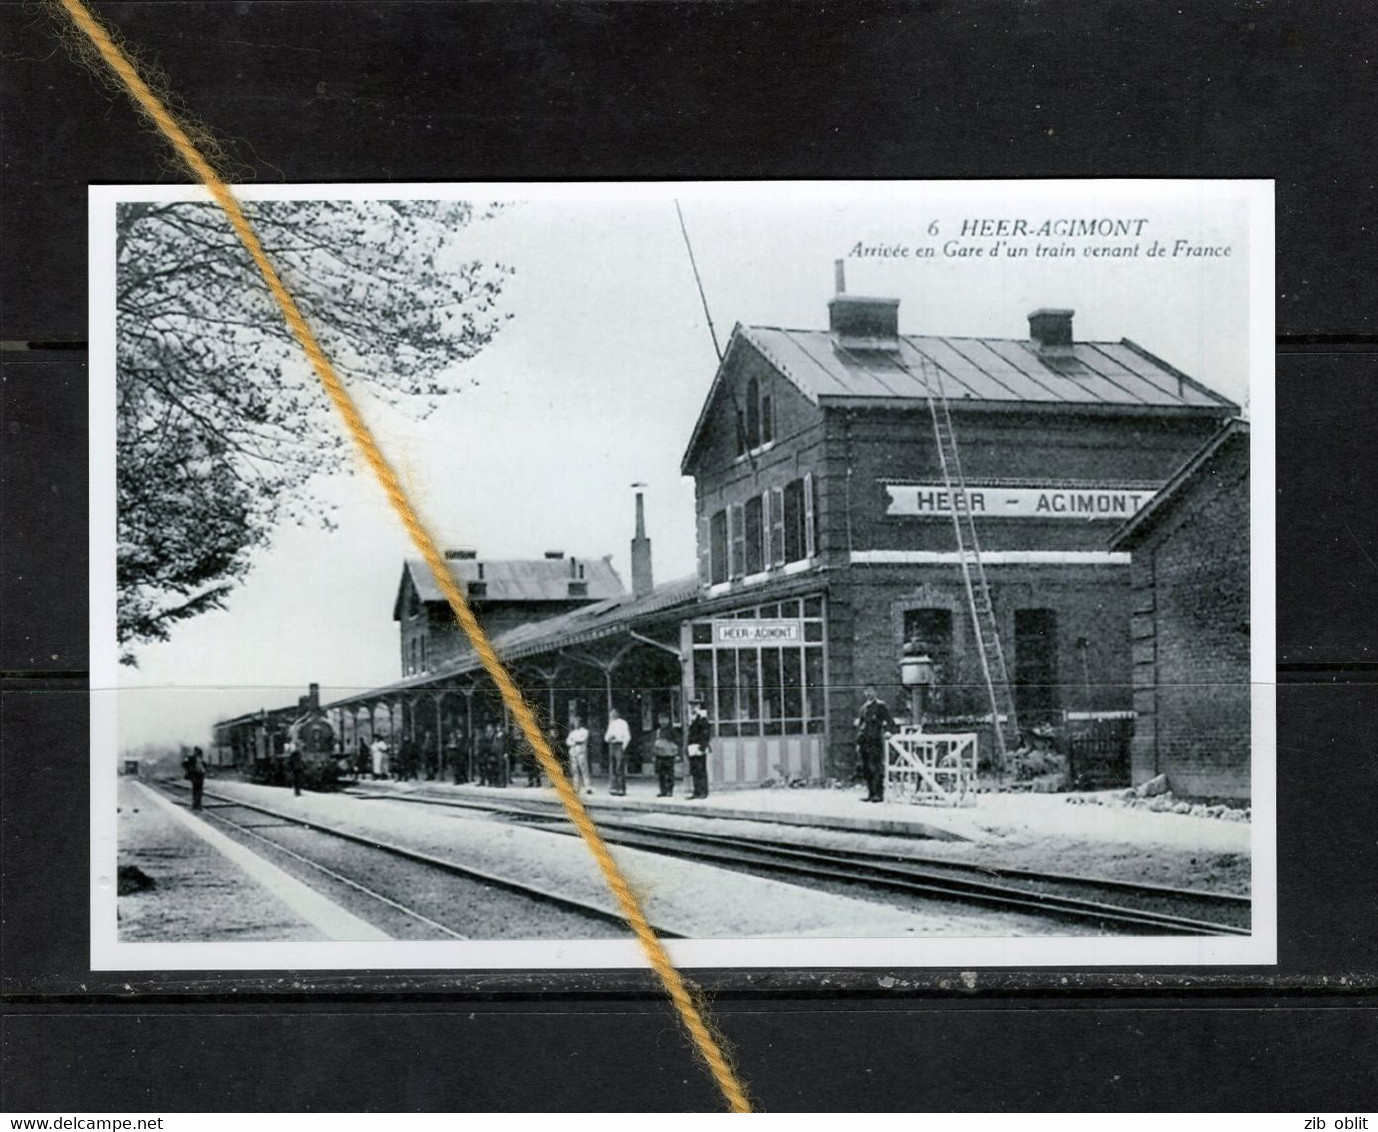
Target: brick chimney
point(642, 581)
point(858, 322)
point(1050, 330)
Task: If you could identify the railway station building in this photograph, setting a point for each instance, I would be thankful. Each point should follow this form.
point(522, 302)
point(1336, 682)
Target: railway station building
point(826, 533)
point(826, 545)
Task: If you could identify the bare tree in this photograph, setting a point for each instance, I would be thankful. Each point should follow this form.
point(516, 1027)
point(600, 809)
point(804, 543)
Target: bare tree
point(221, 423)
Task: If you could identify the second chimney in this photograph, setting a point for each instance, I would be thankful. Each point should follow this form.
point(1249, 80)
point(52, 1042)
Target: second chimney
point(642, 581)
point(858, 322)
point(1050, 330)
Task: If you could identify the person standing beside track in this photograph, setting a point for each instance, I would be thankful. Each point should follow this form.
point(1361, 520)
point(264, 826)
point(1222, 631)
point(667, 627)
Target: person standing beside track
point(196, 772)
point(484, 755)
point(577, 746)
point(294, 765)
point(454, 756)
point(618, 737)
point(667, 755)
point(700, 741)
point(873, 724)
point(379, 753)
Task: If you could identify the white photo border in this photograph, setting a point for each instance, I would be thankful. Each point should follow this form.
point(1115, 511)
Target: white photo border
point(1259, 948)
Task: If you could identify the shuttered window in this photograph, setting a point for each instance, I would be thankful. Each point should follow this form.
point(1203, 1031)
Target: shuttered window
point(755, 536)
point(718, 547)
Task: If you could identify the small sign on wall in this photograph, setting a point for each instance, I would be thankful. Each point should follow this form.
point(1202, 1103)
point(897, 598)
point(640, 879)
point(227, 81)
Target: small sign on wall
point(758, 631)
point(934, 501)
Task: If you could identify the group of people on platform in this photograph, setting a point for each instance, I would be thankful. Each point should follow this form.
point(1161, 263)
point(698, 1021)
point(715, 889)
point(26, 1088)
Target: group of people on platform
point(498, 758)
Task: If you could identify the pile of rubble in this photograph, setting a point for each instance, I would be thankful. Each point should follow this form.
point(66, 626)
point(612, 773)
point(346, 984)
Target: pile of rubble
point(1156, 796)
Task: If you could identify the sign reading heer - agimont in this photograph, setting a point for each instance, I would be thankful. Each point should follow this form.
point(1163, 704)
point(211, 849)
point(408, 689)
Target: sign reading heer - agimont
point(1049, 502)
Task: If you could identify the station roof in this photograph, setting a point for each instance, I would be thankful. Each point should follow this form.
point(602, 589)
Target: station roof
point(520, 579)
point(585, 625)
point(988, 373)
point(981, 369)
point(592, 622)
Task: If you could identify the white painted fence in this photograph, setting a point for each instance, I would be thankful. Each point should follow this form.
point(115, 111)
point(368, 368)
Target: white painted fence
point(933, 769)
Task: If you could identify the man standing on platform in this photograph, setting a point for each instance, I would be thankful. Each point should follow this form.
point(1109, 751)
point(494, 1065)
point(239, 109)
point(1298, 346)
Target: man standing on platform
point(700, 740)
point(873, 724)
point(379, 753)
point(294, 765)
point(618, 737)
point(577, 746)
point(667, 755)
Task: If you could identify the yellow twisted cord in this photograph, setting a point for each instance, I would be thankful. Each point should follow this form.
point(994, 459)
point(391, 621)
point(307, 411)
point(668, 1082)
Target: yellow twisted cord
point(691, 1014)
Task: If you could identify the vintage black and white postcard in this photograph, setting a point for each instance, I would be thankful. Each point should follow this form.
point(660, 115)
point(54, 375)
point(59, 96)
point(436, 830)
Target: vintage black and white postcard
point(891, 564)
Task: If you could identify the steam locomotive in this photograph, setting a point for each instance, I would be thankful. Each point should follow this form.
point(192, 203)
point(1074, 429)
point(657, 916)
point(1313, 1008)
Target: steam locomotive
point(258, 743)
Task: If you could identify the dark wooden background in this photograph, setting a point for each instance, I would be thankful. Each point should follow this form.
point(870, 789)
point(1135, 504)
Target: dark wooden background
point(372, 90)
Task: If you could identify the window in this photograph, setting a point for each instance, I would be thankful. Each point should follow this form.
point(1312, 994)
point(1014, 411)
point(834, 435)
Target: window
point(771, 690)
point(727, 691)
point(755, 535)
point(753, 414)
point(736, 534)
point(767, 419)
point(797, 535)
point(717, 548)
point(748, 691)
point(931, 629)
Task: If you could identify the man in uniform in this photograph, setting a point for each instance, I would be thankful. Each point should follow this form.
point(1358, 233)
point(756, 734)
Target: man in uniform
point(873, 724)
point(700, 744)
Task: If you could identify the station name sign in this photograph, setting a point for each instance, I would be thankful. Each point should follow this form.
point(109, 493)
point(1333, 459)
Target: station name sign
point(758, 631)
point(928, 501)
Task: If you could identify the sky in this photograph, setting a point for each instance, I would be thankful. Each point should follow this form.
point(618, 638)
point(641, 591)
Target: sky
point(597, 379)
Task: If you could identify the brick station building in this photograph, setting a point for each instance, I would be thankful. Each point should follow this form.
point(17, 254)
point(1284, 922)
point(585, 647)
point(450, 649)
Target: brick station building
point(826, 542)
point(825, 528)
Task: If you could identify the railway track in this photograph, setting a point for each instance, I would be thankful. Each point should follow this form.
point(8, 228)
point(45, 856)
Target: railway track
point(1116, 905)
point(405, 891)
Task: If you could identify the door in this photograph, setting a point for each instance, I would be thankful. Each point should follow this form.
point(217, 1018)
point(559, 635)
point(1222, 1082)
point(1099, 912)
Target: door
point(1035, 665)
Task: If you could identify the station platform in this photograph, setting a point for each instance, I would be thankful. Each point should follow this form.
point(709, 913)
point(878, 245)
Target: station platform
point(994, 817)
point(181, 880)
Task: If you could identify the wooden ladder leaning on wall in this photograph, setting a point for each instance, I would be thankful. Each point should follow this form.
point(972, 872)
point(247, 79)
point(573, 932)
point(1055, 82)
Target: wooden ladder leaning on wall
point(1004, 724)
